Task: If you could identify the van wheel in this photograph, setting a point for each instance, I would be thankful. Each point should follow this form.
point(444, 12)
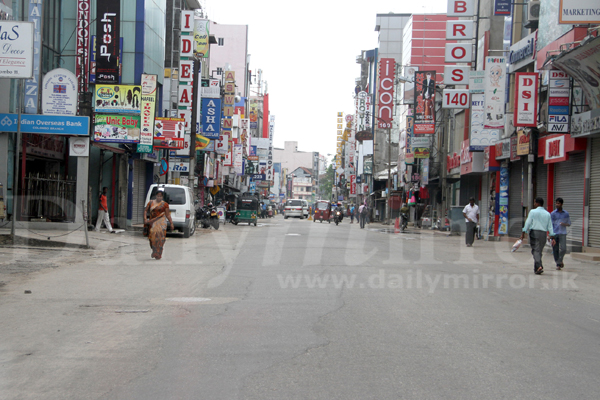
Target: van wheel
point(302, 216)
point(186, 232)
point(286, 217)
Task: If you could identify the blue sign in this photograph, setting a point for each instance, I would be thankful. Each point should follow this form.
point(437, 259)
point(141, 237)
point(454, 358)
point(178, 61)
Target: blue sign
point(211, 118)
point(558, 110)
point(259, 177)
point(502, 7)
point(46, 124)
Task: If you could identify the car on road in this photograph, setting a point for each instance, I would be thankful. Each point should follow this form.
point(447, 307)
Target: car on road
point(294, 208)
point(181, 205)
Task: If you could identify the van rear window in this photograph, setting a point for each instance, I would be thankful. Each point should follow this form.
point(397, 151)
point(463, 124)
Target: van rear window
point(294, 203)
point(173, 196)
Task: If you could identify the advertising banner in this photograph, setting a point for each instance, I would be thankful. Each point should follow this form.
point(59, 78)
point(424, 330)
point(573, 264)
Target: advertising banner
point(211, 118)
point(222, 145)
point(385, 93)
point(495, 92)
point(578, 12)
point(238, 159)
point(169, 133)
point(201, 37)
point(425, 172)
point(117, 128)
point(228, 162)
point(82, 61)
point(120, 99)
point(502, 7)
point(558, 102)
point(59, 93)
point(353, 185)
point(523, 140)
point(148, 111)
point(526, 99)
point(32, 89)
point(424, 115)
point(270, 175)
point(92, 69)
point(409, 85)
point(108, 33)
point(503, 201)
point(480, 137)
point(19, 62)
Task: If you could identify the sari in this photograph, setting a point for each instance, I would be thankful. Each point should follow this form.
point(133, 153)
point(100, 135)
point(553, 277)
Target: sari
point(158, 229)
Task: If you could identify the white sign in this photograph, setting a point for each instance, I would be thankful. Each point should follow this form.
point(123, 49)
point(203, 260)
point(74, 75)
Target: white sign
point(558, 123)
point(459, 30)
point(238, 159)
point(477, 81)
point(495, 92)
point(579, 12)
point(526, 99)
point(455, 75)
point(458, 53)
point(16, 49)
point(59, 93)
point(455, 98)
point(79, 147)
point(461, 8)
point(179, 167)
point(558, 92)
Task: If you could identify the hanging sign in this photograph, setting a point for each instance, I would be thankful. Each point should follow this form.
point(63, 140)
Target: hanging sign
point(59, 93)
point(148, 110)
point(211, 118)
point(526, 99)
point(17, 63)
point(169, 133)
point(108, 33)
point(495, 92)
point(120, 99)
point(117, 128)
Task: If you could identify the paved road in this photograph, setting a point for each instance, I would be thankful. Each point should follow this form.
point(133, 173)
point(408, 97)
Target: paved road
point(298, 310)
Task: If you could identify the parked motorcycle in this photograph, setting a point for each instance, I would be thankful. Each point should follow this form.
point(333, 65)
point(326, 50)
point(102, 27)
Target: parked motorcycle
point(403, 221)
point(207, 216)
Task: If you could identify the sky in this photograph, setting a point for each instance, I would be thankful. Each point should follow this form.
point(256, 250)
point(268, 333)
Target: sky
point(307, 51)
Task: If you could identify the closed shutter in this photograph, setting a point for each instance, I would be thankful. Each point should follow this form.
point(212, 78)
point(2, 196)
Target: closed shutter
point(541, 186)
point(139, 191)
point(569, 184)
point(594, 219)
point(469, 187)
point(515, 191)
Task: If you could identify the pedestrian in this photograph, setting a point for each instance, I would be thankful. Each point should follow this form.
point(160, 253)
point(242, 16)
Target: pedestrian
point(362, 214)
point(103, 212)
point(538, 223)
point(348, 214)
point(377, 214)
point(156, 215)
point(471, 214)
point(352, 214)
point(560, 221)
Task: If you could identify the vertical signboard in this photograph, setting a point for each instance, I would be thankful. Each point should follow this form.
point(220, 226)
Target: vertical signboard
point(424, 115)
point(211, 118)
point(270, 174)
point(503, 200)
point(238, 159)
point(526, 99)
point(558, 102)
point(385, 93)
point(148, 110)
point(82, 61)
point(107, 47)
point(495, 92)
point(32, 87)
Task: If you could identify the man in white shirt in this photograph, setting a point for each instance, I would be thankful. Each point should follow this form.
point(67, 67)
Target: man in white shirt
point(471, 214)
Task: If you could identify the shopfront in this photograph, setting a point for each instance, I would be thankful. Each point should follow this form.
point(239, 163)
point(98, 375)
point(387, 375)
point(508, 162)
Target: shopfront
point(565, 158)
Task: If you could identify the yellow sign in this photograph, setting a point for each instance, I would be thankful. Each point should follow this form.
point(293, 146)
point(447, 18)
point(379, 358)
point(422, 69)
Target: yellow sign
point(229, 76)
point(201, 37)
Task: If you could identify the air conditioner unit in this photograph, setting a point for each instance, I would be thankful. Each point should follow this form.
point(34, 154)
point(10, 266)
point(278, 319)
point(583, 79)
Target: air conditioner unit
point(534, 11)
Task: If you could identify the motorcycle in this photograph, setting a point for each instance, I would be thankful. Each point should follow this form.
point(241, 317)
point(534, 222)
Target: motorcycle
point(337, 217)
point(403, 221)
point(207, 216)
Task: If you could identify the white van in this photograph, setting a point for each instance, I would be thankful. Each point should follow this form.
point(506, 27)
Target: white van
point(305, 208)
point(181, 205)
point(293, 208)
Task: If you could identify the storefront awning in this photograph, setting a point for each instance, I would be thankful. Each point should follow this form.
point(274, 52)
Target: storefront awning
point(383, 175)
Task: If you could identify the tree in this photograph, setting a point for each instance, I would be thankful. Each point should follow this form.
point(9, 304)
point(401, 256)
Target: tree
point(327, 182)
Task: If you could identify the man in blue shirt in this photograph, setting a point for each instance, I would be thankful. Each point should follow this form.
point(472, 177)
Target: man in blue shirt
point(538, 223)
point(560, 221)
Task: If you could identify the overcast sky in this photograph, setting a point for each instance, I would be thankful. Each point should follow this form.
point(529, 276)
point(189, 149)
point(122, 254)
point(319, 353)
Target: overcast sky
point(307, 51)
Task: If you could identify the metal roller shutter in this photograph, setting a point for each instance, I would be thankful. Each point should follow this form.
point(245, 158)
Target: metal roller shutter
point(515, 191)
point(541, 187)
point(569, 184)
point(594, 218)
point(139, 191)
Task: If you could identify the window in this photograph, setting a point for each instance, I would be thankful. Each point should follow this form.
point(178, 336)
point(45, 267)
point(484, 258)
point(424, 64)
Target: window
point(51, 21)
point(221, 41)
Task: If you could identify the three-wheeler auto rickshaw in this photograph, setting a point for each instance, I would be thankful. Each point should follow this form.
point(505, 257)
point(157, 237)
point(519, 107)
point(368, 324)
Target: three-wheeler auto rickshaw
point(247, 210)
point(322, 211)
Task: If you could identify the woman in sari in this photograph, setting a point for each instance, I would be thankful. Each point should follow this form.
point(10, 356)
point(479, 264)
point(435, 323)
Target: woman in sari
point(155, 216)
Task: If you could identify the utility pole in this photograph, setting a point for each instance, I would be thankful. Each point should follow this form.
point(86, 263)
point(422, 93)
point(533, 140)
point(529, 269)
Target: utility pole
point(194, 122)
point(389, 180)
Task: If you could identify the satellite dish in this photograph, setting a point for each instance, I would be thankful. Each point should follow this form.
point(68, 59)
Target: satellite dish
point(238, 98)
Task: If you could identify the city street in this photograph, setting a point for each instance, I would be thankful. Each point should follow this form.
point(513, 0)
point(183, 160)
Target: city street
point(294, 309)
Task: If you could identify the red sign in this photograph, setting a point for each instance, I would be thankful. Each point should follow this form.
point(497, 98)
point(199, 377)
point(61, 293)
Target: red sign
point(385, 94)
point(555, 150)
point(526, 99)
point(452, 162)
point(169, 133)
point(352, 184)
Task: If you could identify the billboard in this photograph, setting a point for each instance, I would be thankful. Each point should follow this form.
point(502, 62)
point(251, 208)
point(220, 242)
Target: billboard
point(83, 43)
point(495, 92)
point(117, 128)
point(169, 133)
point(211, 118)
point(59, 92)
point(201, 37)
point(148, 111)
point(12, 66)
point(385, 93)
point(526, 99)
point(120, 99)
point(424, 115)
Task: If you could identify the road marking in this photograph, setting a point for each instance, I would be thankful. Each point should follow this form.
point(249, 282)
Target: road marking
point(292, 234)
point(188, 299)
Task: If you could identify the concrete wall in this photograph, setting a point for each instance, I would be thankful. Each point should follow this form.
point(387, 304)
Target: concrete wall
point(290, 158)
point(233, 51)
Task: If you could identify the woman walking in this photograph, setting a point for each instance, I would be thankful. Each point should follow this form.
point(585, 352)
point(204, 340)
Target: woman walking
point(155, 216)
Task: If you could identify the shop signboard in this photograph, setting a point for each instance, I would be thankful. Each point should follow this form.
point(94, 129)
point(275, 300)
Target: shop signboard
point(554, 150)
point(211, 118)
point(385, 93)
point(32, 89)
point(480, 137)
point(49, 147)
point(201, 37)
point(238, 159)
point(523, 142)
point(148, 111)
point(83, 43)
point(578, 12)
point(477, 82)
point(92, 68)
point(117, 128)
point(514, 156)
point(79, 147)
point(558, 102)
point(585, 124)
point(503, 149)
point(495, 92)
point(502, 7)
point(421, 152)
point(169, 133)
point(121, 99)
point(59, 93)
point(503, 200)
point(46, 124)
point(179, 166)
point(108, 47)
point(526, 99)
point(424, 115)
point(409, 85)
point(17, 63)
